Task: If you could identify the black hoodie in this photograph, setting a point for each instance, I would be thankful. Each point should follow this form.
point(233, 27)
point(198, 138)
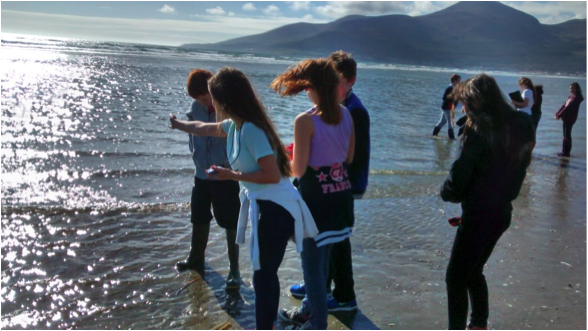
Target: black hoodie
point(485, 179)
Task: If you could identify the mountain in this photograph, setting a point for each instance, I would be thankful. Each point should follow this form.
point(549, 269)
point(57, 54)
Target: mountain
point(486, 35)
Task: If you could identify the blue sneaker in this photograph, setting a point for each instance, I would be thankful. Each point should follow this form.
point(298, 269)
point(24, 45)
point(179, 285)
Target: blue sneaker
point(335, 306)
point(298, 291)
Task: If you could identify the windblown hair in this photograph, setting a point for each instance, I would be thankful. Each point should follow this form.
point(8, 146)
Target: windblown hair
point(319, 75)
point(197, 83)
point(529, 84)
point(236, 98)
point(578, 89)
point(344, 64)
point(492, 118)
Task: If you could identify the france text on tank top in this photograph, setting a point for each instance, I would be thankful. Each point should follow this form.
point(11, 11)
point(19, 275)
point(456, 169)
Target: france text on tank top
point(330, 143)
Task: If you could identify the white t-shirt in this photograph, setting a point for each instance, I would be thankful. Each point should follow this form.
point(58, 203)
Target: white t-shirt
point(528, 94)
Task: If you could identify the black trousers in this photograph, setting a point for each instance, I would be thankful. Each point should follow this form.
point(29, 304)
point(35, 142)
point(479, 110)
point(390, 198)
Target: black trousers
point(474, 242)
point(275, 227)
point(567, 141)
point(535, 118)
point(341, 272)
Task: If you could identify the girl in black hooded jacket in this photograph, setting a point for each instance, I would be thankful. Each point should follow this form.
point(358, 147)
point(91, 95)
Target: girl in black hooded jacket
point(485, 178)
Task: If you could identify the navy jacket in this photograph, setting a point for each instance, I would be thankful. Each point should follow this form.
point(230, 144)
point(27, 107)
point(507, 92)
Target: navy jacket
point(360, 167)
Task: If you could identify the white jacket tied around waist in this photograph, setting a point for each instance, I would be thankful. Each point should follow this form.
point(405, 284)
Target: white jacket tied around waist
point(286, 196)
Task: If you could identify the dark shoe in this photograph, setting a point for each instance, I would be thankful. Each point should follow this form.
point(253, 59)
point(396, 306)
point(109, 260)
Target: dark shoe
point(233, 282)
point(293, 316)
point(436, 131)
point(335, 306)
point(185, 265)
point(305, 326)
point(450, 134)
point(562, 155)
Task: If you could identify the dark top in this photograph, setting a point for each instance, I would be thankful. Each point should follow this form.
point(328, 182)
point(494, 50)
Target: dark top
point(447, 100)
point(360, 167)
point(327, 193)
point(569, 111)
point(536, 109)
point(485, 179)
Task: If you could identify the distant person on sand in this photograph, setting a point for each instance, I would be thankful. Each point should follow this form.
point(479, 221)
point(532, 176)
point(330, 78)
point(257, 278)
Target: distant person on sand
point(568, 113)
point(528, 94)
point(536, 109)
point(340, 263)
point(485, 178)
point(446, 107)
point(269, 200)
point(323, 147)
point(222, 195)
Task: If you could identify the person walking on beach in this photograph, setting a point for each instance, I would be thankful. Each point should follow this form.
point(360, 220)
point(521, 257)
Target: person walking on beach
point(536, 109)
point(340, 263)
point(528, 94)
point(222, 195)
point(485, 178)
point(268, 198)
point(446, 107)
point(323, 147)
point(568, 113)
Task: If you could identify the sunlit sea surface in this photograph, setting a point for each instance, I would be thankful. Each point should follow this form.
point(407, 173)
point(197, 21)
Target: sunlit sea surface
point(96, 188)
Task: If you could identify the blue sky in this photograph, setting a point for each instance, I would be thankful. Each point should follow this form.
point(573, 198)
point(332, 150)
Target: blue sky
point(174, 23)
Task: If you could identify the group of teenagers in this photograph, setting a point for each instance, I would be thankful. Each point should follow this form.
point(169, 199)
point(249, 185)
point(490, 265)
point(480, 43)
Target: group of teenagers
point(233, 140)
point(531, 100)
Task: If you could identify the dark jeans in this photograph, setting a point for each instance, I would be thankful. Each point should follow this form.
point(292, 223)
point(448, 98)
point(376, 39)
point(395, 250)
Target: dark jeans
point(473, 245)
point(341, 272)
point(275, 227)
point(567, 141)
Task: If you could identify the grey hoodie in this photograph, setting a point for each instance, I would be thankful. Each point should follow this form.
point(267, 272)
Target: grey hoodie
point(206, 151)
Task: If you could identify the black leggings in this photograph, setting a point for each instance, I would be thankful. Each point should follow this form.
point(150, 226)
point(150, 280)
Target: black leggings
point(473, 245)
point(275, 227)
point(567, 142)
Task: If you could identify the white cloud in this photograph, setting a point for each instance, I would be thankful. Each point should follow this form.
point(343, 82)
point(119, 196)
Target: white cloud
point(167, 9)
point(272, 10)
point(216, 11)
point(337, 9)
point(204, 29)
point(231, 14)
point(307, 18)
point(249, 7)
point(551, 12)
point(299, 5)
point(419, 8)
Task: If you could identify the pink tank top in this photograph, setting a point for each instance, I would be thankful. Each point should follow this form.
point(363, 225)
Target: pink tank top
point(330, 143)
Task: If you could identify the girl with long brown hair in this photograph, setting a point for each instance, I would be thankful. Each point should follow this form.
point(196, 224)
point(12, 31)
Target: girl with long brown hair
point(485, 178)
point(324, 144)
point(269, 200)
point(528, 94)
point(568, 113)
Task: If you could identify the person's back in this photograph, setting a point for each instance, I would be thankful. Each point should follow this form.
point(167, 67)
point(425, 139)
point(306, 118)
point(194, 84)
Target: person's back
point(330, 143)
point(498, 172)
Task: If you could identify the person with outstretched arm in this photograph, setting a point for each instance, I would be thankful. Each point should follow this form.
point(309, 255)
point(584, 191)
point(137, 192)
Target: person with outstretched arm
point(269, 201)
point(223, 196)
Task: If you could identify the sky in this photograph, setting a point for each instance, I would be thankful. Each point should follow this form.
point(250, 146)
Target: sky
point(174, 23)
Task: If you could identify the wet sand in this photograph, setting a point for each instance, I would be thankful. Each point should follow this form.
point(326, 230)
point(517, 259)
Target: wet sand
point(116, 270)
